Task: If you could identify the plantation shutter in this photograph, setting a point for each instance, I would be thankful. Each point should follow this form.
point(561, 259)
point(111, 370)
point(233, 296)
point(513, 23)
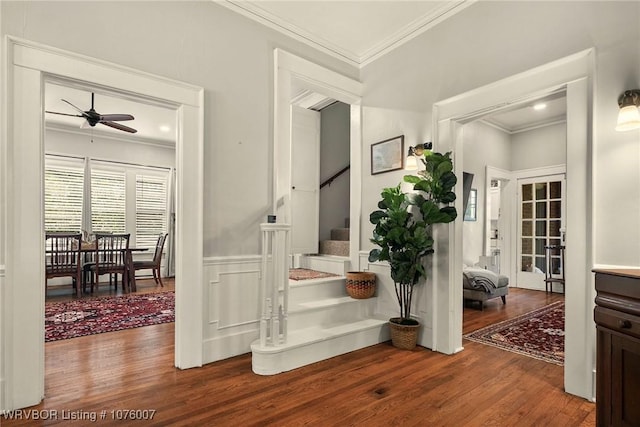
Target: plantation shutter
point(108, 201)
point(63, 190)
point(151, 209)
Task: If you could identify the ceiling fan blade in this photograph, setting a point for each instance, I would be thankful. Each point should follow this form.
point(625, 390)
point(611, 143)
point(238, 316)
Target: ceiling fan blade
point(119, 127)
point(64, 114)
point(76, 108)
point(115, 117)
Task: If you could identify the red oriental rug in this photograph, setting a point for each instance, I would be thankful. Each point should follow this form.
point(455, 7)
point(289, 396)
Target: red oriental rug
point(538, 334)
point(306, 274)
point(71, 319)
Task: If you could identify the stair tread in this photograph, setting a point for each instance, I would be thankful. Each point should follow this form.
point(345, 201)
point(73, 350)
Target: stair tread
point(326, 302)
point(330, 257)
point(308, 282)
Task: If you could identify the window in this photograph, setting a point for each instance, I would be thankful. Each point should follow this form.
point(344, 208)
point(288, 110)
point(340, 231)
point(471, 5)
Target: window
point(124, 198)
point(151, 209)
point(63, 193)
point(472, 206)
point(108, 201)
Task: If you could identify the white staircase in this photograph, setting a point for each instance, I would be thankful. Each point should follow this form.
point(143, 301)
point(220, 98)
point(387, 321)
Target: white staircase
point(323, 321)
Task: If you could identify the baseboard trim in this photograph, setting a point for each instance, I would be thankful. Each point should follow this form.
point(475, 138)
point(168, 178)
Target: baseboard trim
point(227, 346)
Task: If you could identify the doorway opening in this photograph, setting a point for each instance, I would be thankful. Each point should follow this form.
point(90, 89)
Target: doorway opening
point(295, 76)
point(30, 66)
point(105, 180)
point(574, 75)
point(320, 178)
point(518, 155)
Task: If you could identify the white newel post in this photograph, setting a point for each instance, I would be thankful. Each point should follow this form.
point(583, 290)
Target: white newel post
point(274, 283)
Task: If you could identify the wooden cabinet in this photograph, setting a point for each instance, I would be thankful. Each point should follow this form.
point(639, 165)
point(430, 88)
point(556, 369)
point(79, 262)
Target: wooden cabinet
point(617, 317)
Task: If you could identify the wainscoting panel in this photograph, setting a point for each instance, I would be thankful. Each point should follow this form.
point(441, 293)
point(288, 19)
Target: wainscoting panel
point(231, 307)
point(387, 303)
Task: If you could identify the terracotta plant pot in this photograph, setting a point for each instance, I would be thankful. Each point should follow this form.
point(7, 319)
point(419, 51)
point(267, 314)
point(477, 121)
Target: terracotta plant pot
point(404, 336)
point(361, 284)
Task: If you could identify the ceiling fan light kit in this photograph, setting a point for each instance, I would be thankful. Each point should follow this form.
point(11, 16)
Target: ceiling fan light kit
point(92, 117)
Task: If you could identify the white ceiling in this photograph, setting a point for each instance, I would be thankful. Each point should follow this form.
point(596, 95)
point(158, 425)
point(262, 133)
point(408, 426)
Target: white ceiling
point(155, 124)
point(524, 117)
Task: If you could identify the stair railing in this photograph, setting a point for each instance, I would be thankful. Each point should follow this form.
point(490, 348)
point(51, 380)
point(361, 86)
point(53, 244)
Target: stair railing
point(274, 284)
point(330, 180)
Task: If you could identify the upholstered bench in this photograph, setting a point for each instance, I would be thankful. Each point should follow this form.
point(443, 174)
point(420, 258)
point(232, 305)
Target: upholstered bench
point(481, 285)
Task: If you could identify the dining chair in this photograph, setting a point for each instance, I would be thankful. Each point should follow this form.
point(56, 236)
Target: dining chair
point(110, 257)
point(63, 258)
point(153, 264)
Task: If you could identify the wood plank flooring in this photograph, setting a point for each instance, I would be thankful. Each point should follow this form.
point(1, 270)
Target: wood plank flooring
point(376, 386)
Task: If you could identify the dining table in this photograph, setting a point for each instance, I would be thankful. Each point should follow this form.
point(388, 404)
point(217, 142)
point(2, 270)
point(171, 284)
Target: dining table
point(129, 279)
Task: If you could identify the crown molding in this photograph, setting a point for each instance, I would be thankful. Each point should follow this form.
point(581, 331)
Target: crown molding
point(528, 127)
point(414, 29)
point(258, 14)
point(252, 10)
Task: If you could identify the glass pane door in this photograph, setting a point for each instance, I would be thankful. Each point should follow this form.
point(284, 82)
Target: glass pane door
point(540, 224)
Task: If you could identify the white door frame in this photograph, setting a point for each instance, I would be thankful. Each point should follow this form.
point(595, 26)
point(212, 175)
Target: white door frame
point(574, 73)
point(290, 69)
point(28, 65)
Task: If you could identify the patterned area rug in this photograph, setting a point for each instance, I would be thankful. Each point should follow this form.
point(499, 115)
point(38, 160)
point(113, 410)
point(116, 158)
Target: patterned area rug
point(306, 274)
point(538, 334)
point(71, 319)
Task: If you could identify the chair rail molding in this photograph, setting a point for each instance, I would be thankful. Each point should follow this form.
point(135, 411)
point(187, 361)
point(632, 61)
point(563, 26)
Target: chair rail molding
point(27, 67)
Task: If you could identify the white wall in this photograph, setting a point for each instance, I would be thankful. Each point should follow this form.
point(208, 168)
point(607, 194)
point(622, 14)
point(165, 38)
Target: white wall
point(483, 146)
point(541, 147)
point(206, 45)
point(334, 155)
point(490, 41)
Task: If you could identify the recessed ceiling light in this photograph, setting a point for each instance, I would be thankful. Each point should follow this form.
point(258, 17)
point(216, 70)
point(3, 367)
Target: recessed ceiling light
point(540, 106)
point(165, 128)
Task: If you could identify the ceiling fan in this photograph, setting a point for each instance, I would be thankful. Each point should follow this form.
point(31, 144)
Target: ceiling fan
point(92, 117)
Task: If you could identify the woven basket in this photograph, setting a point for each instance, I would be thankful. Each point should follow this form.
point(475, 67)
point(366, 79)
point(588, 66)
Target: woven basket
point(404, 337)
point(360, 284)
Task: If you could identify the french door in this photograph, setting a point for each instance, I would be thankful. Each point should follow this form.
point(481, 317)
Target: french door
point(541, 216)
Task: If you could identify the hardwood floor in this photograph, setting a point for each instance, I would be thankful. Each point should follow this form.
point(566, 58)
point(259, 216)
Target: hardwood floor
point(376, 386)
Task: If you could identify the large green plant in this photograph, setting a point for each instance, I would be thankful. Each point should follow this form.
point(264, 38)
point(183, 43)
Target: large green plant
point(403, 224)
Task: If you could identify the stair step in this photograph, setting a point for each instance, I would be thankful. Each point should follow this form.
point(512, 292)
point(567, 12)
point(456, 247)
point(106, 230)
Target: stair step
point(314, 289)
point(340, 234)
point(313, 344)
point(330, 263)
point(334, 247)
point(326, 311)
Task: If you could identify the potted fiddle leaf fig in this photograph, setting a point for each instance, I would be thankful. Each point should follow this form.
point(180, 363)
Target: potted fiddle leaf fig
point(403, 232)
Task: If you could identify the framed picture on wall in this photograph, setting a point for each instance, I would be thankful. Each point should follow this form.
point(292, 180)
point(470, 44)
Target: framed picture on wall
point(387, 155)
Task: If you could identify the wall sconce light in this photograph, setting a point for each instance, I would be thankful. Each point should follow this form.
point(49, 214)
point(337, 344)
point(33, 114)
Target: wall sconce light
point(629, 115)
point(411, 164)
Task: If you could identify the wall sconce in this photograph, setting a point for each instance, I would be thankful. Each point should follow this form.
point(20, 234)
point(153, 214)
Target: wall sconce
point(411, 164)
point(629, 115)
